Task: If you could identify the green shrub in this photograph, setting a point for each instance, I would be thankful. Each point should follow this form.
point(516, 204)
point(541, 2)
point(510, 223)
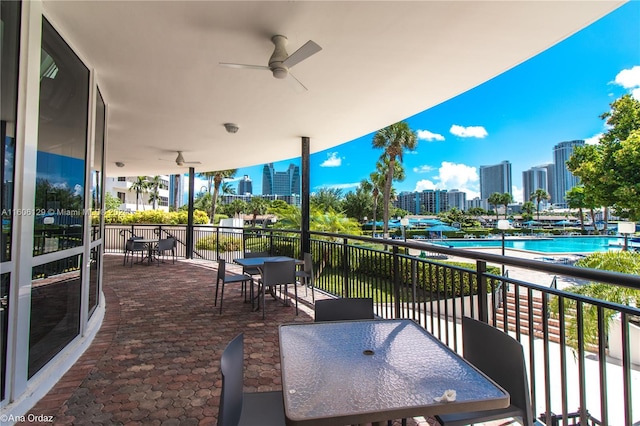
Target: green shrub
point(211, 243)
point(432, 278)
point(154, 216)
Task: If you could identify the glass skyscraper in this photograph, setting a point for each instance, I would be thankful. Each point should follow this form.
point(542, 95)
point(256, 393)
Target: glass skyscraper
point(280, 183)
point(496, 178)
point(564, 179)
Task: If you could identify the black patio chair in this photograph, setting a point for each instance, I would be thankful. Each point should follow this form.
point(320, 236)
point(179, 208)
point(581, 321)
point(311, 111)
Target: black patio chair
point(500, 357)
point(132, 247)
point(344, 309)
point(223, 278)
point(166, 245)
point(238, 408)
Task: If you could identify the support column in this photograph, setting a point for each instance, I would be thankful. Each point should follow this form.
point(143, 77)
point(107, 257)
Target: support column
point(189, 239)
point(305, 238)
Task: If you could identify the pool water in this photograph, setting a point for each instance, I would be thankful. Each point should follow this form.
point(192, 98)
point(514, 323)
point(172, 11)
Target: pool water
point(544, 245)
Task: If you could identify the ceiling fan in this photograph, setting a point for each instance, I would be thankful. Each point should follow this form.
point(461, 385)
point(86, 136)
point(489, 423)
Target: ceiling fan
point(180, 160)
point(280, 61)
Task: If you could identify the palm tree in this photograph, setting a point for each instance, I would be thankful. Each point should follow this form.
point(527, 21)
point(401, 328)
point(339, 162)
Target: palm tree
point(394, 139)
point(507, 199)
point(495, 200)
point(377, 183)
point(327, 198)
point(257, 206)
point(539, 195)
point(154, 193)
point(575, 200)
point(214, 180)
point(140, 186)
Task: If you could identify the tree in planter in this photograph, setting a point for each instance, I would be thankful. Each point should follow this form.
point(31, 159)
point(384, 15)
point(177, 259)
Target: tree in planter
point(615, 261)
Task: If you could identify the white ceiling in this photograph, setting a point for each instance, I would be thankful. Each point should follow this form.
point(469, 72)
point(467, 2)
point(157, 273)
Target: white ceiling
point(157, 68)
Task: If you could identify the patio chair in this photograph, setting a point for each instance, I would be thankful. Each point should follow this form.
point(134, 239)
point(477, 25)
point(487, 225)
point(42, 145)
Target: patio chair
point(278, 273)
point(500, 357)
point(223, 278)
point(131, 247)
point(306, 274)
point(238, 408)
point(344, 309)
point(165, 245)
point(255, 271)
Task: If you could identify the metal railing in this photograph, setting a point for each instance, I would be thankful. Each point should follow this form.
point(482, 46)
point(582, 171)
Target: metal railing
point(581, 351)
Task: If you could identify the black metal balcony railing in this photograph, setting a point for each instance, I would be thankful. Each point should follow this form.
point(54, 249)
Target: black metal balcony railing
point(577, 372)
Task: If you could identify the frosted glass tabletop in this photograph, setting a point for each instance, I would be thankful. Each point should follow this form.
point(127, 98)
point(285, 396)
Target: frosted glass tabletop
point(367, 371)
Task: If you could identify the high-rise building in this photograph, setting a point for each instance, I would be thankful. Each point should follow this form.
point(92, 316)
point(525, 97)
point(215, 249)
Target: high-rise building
point(176, 191)
point(457, 199)
point(245, 186)
point(533, 179)
point(564, 179)
point(551, 181)
point(280, 183)
point(495, 178)
point(427, 201)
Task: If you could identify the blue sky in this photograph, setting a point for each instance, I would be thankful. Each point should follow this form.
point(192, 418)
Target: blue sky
point(518, 116)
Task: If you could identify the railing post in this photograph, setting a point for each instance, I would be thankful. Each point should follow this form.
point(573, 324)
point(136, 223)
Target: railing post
point(481, 279)
point(345, 268)
point(218, 242)
point(396, 282)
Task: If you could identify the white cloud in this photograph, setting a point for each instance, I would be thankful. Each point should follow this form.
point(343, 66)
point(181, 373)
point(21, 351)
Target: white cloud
point(342, 185)
point(593, 140)
point(424, 184)
point(453, 176)
point(468, 132)
point(426, 135)
point(422, 169)
point(332, 160)
point(517, 194)
point(629, 78)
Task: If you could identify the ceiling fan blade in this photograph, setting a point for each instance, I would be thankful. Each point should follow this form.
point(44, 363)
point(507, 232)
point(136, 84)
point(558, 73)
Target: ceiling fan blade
point(243, 66)
point(191, 162)
point(296, 84)
point(307, 49)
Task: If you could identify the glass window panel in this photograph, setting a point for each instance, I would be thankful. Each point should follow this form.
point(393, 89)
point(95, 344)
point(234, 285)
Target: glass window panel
point(96, 171)
point(5, 280)
point(62, 140)
point(10, 46)
point(94, 277)
point(55, 309)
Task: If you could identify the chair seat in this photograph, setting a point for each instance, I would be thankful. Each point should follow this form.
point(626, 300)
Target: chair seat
point(234, 278)
point(262, 409)
point(462, 419)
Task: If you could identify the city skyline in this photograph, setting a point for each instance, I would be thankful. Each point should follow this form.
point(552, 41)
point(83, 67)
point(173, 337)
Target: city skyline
point(518, 116)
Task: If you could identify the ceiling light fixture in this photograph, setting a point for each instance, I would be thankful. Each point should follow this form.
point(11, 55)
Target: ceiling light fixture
point(231, 127)
point(119, 164)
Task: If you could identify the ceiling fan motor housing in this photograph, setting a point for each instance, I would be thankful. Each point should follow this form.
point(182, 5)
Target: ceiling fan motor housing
point(278, 57)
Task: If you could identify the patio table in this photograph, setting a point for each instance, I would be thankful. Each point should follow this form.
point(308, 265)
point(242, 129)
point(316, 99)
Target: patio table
point(258, 262)
point(353, 372)
point(149, 242)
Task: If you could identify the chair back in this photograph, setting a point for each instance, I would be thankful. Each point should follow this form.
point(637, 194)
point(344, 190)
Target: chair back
point(231, 366)
point(344, 309)
point(132, 245)
point(256, 254)
point(279, 272)
point(166, 244)
point(221, 269)
point(308, 264)
point(500, 357)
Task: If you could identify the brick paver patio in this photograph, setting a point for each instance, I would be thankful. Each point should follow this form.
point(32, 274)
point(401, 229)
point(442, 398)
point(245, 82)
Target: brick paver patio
point(156, 359)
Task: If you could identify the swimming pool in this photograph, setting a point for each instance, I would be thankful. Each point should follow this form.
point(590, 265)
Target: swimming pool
point(543, 245)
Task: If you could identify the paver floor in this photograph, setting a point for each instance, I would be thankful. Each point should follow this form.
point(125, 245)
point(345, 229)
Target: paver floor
point(156, 358)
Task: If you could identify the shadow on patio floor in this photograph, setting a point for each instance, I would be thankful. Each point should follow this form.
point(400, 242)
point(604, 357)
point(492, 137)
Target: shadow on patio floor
point(156, 359)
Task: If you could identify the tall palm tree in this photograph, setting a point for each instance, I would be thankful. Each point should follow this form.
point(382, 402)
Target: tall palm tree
point(377, 183)
point(214, 181)
point(495, 200)
point(140, 186)
point(539, 195)
point(153, 186)
point(394, 140)
point(575, 200)
point(257, 206)
point(507, 199)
